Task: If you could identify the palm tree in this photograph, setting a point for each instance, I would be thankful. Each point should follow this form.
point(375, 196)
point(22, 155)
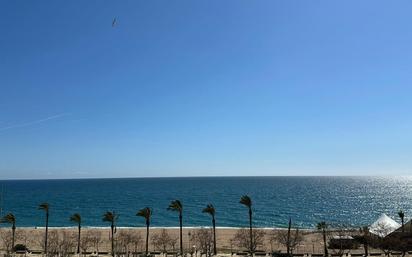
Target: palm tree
point(365, 239)
point(177, 206)
point(210, 209)
point(9, 218)
point(45, 207)
point(245, 200)
point(146, 213)
point(77, 219)
point(323, 226)
point(288, 238)
point(111, 217)
point(402, 216)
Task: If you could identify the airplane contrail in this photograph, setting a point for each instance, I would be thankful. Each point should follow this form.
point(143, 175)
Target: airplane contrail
point(33, 122)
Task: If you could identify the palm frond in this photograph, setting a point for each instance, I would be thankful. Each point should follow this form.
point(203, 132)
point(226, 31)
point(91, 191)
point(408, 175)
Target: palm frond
point(76, 218)
point(110, 217)
point(210, 209)
point(145, 213)
point(245, 200)
point(44, 206)
point(322, 225)
point(8, 218)
point(175, 205)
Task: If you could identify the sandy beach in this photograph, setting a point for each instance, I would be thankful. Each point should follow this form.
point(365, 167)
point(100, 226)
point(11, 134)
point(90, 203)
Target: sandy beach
point(132, 239)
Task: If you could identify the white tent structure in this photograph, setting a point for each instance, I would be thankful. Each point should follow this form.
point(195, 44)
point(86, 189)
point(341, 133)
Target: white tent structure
point(383, 226)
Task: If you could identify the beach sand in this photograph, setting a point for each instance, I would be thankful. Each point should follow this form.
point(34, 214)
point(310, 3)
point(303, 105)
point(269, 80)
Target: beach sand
point(33, 238)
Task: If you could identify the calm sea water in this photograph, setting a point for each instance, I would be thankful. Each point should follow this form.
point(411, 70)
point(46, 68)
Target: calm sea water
point(350, 201)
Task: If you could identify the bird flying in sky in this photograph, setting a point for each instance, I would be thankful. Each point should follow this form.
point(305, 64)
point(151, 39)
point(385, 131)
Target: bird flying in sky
point(114, 22)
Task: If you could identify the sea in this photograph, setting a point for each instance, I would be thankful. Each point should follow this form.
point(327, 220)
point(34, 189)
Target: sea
point(340, 201)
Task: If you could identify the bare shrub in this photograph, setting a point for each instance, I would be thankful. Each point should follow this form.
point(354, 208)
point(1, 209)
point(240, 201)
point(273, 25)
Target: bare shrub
point(290, 239)
point(6, 240)
point(203, 239)
point(137, 242)
point(86, 241)
point(125, 242)
point(52, 243)
point(95, 238)
point(22, 237)
point(161, 241)
point(242, 239)
point(66, 243)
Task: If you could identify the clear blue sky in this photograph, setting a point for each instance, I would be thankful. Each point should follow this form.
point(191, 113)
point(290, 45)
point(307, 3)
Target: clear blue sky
point(205, 88)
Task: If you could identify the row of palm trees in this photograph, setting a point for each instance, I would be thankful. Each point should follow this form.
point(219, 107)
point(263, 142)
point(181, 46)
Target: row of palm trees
point(146, 213)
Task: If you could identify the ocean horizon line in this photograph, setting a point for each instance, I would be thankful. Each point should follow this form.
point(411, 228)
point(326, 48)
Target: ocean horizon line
point(196, 177)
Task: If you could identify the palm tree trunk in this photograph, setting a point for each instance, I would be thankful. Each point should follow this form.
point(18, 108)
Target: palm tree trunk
point(324, 243)
point(47, 231)
point(365, 247)
point(403, 228)
point(78, 241)
point(250, 231)
point(147, 238)
point(288, 238)
point(214, 235)
point(112, 228)
point(181, 233)
point(13, 229)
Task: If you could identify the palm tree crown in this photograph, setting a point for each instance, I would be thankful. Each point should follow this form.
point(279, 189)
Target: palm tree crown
point(145, 213)
point(110, 217)
point(322, 225)
point(175, 205)
point(402, 216)
point(76, 218)
point(245, 200)
point(210, 209)
point(44, 206)
point(9, 218)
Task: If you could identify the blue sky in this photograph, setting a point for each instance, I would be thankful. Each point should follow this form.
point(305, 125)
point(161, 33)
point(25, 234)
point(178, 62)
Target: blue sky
point(205, 88)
